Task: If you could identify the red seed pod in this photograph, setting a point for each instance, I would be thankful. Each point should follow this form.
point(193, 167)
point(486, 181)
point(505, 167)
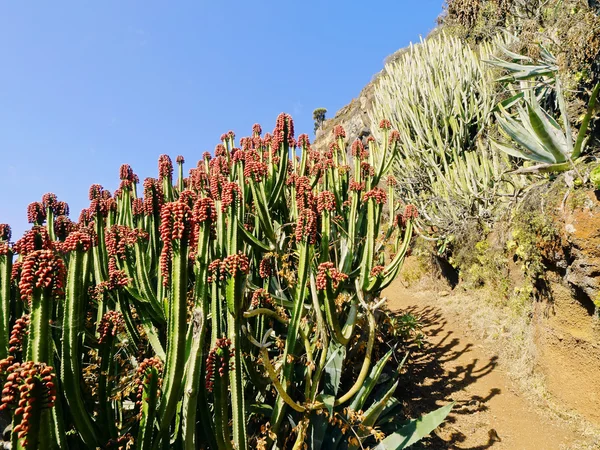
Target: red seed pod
point(339, 132)
point(394, 137)
point(42, 269)
point(235, 265)
point(4, 248)
point(284, 123)
point(5, 232)
point(256, 129)
point(325, 201)
point(376, 194)
point(20, 329)
point(306, 226)
point(81, 240)
point(227, 194)
point(260, 298)
point(304, 141)
point(120, 238)
point(180, 160)
point(204, 210)
point(377, 271)
point(411, 212)
point(165, 167)
point(36, 213)
point(126, 173)
point(356, 186)
point(392, 181)
point(265, 269)
point(111, 324)
point(175, 223)
point(385, 124)
point(206, 156)
point(327, 271)
point(153, 196)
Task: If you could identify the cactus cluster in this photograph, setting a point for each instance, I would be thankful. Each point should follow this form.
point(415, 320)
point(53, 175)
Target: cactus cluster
point(440, 95)
point(226, 309)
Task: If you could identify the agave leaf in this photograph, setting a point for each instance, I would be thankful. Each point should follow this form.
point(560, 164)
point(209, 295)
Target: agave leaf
point(509, 102)
point(552, 139)
point(531, 147)
point(415, 430)
point(333, 372)
point(361, 396)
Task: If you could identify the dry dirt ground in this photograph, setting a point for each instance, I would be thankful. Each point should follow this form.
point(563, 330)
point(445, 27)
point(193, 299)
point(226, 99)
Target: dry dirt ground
point(454, 365)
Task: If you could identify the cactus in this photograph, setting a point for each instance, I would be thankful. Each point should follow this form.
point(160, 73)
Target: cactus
point(173, 317)
point(438, 97)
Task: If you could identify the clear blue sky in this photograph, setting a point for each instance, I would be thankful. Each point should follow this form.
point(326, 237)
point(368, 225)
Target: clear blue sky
point(86, 86)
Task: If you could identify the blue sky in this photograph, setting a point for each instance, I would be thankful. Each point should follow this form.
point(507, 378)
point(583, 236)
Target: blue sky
point(87, 86)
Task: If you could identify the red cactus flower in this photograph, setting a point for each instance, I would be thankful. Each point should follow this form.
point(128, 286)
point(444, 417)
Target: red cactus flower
point(27, 384)
point(306, 227)
point(392, 181)
point(126, 173)
point(394, 137)
point(376, 194)
point(119, 238)
point(165, 167)
point(145, 371)
point(265, 269)
point(325, 201)
point(256, 129)
point(5, 232)
point(385, 124)
point(175, 224)
point(111, 324)
point(260, 298)
point(327, 271)
point(35, 239)
point(79, 240)
point(180, 160)
point(36, 213)
point(19, 330)
point(227, 194)
point(339, 132)
point(284, 123)
point(42, 269)
point(204, 210)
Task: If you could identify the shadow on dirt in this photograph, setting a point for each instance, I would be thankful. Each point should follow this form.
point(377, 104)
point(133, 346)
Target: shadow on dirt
point(427, 385)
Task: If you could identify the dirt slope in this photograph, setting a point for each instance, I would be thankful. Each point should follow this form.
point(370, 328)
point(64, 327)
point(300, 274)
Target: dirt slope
point(453, 365)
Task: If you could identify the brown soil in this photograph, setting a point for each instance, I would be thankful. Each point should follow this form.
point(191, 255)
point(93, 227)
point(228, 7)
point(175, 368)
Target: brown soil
point(454, 365)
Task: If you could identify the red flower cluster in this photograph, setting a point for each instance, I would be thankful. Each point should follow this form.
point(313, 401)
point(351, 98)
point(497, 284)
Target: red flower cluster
point(264, 268)
point(260, 298)
point(219, 354)
point(325, 201)
point(119, 237)
point(284, 123)
point(148, 368)
point(256, 129)
point(111, 324)
point(35, 239)
point(327, 270)
point(4, 248)
point(204, 210)
point(385, 124)
point(153, 196)
point(126, 173)
point(180, 160)
point(394, 137)
point(304, 141)
point(377, 194)
point(36, 213)
point(175, 223)
point(42, 269)
point(391, 181)
point(339, 132)
point(306, 227)
point(19, 330)
point(79, 240)
point(377, 271)
point(28, 385)
point(227, 194)
point(165, 167)
point(63, 226)
point(359, 151)
point(5, 232)
point(356, 186)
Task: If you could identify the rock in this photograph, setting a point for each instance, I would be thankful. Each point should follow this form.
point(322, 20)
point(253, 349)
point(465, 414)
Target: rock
point(443, 294)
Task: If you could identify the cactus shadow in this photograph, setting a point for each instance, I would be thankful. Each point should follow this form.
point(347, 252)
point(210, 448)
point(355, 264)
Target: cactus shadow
point(439, 371)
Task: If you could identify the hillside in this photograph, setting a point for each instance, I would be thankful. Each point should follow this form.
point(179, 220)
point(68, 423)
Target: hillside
point(520, 269)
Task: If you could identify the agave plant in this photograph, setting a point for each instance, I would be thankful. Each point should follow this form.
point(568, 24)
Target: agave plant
point(229, 309)
point(538, 135)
